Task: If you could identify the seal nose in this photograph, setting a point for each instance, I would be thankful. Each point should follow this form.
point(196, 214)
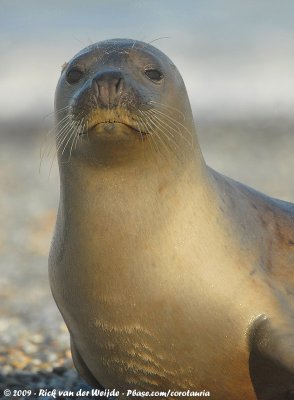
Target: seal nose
point(108, 86)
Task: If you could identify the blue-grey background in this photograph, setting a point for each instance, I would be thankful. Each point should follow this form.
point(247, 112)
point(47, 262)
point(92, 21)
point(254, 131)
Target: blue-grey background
point(237, 60)
point(236, 57)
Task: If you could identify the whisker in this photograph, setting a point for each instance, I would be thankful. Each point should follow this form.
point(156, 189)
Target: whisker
point(69, 133)
point(159, 38)
point(153, 146)
point(60, 137)
point(150, 130)
point(149, 135)
point(81, 129)
point(61, 129)
point(149, 122)
point(64, 130)
point(53, 158)
point(77, 134)
point(70, 136)
point(48, 145)
point(165, 125)
point(64, 127)
point(51, 131)
point(168, 107)
point(65, 134)
point(141, 135)
point(174, 122)
point(73, 135)
point(168, 135)
point(56, 112)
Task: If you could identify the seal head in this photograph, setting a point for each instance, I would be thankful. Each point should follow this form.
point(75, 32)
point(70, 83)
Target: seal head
point(121, 90)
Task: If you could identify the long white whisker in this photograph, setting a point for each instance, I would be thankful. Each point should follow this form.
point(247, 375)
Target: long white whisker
point(69, 137)
point(149, 122)
point(168, 135)
point(48, 145)
point(48, 135)
point(55, 112)
point(171, 121)
point(150, 130)
point(65, 135)
point(168, 108)
point(169, 128)
point(74, 137)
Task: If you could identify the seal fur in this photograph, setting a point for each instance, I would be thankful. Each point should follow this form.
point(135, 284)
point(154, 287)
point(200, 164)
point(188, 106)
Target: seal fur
point(167, 274)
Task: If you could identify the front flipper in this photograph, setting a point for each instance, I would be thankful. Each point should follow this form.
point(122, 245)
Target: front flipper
point(82, 368)
point(271, 361)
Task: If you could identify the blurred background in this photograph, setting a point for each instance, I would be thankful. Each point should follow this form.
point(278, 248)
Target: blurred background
point(237, 60)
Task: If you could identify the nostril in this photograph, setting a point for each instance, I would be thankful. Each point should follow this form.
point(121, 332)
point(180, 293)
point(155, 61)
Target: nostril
point(108, 87)
point(119, 85)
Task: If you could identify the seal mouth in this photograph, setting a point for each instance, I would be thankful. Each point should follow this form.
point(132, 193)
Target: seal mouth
point(109, 126)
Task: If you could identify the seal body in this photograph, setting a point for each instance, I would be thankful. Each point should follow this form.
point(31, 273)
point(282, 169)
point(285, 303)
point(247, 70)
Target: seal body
point(169, 275)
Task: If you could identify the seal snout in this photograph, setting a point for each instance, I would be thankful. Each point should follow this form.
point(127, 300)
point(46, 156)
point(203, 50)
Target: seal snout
point(108, 87)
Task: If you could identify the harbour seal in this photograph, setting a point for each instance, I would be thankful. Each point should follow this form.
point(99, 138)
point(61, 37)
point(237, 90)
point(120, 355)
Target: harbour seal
point(168, 275)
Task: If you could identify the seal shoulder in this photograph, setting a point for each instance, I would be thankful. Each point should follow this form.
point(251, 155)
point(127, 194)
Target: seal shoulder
point(266, 223)
point(276, 219)
point(257, 199)
point(274, 216)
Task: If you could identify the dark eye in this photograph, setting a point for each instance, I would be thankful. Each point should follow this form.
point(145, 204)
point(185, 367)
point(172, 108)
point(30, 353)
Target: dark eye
point(74, 75)
point(154, 74)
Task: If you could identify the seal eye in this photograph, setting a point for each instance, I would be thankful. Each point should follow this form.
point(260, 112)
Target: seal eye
point(74, 75)
point(154, 74)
